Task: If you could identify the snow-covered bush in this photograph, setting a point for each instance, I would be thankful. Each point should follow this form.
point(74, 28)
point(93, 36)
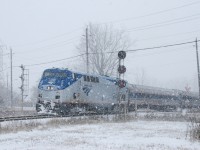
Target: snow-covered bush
point(194, 128)
point(15, 126)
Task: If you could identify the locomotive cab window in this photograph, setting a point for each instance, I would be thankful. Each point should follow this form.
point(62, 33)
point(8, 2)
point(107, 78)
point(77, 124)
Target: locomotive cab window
point(54, 74)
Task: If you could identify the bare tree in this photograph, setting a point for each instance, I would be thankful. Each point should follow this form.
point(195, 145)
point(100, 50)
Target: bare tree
point(103, 42)
point(34, 94)
point(140, 77)
point(3, 94)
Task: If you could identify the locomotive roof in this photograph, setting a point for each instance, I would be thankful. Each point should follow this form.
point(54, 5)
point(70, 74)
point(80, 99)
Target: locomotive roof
point(163, 91)
point(96, 75)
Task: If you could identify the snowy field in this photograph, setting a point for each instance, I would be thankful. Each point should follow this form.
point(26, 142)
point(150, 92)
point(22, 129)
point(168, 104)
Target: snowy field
point(131, 135)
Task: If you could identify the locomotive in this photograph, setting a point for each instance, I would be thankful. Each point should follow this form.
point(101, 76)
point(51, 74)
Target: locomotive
point(62, 91)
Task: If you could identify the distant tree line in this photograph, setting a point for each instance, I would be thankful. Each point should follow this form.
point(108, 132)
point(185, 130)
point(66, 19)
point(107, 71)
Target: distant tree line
point(5, 100)
point(3, 95)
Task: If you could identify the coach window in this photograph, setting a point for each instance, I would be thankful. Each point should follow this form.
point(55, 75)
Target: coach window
point(88, 78)
point(92, 79)
point(97, 79)
point(85, 79)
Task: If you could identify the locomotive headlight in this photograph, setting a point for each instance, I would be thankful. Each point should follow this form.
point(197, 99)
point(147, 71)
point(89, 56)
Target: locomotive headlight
point(49, 88)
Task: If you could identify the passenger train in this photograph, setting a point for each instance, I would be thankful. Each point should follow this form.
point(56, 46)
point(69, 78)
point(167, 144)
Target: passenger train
point(62, 91)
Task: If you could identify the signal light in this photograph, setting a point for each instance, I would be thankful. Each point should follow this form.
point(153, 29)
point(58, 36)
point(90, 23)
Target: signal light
point(121, 69)
point(121, 83)
point(122, 54)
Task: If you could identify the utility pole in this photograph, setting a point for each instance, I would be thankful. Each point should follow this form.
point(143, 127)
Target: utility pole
point(7, 81)
point(87, 57)
point(1, 63)
point(11, 79)
point(198, 65)
point(7, 91)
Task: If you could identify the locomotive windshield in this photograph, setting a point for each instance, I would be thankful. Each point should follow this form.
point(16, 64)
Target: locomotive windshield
point(58, 78)
point(55, 74)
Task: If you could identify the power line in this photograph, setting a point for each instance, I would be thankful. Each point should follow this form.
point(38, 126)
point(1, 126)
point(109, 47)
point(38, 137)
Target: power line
point(165, 23)
point(169, 35)
point(155, 13)
point(156, 53)
point(55, 60)
point(133, 50)
point(162, 46)
point(8, 68)
point(134, 29)
point(54, 37)
point(50, 45)
point(151, 48)
point(5, 69)
point(138, 17)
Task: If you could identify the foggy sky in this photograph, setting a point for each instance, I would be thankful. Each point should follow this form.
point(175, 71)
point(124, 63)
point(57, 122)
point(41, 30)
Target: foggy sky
point(46, 30)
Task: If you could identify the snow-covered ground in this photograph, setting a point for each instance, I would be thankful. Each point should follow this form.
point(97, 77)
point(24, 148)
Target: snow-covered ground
point(132, 135)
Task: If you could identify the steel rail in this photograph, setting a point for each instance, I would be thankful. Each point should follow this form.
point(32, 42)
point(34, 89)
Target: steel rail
point(42, 116)
point(2, 119)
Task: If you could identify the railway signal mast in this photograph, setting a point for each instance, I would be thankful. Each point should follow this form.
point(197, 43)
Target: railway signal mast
point(25, 84)
point(121, 82)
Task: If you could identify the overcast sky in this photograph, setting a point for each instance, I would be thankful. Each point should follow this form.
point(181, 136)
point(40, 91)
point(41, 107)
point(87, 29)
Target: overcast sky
point(46, 30)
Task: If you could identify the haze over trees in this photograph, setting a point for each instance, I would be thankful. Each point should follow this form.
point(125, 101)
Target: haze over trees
point(104, 41)
point(3, 94)
point(5, 99)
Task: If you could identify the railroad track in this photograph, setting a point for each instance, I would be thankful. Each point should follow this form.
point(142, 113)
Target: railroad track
point(31, 117)
point(2, 119)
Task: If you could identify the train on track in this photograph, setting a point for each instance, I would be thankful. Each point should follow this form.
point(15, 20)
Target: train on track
point(62, 91)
